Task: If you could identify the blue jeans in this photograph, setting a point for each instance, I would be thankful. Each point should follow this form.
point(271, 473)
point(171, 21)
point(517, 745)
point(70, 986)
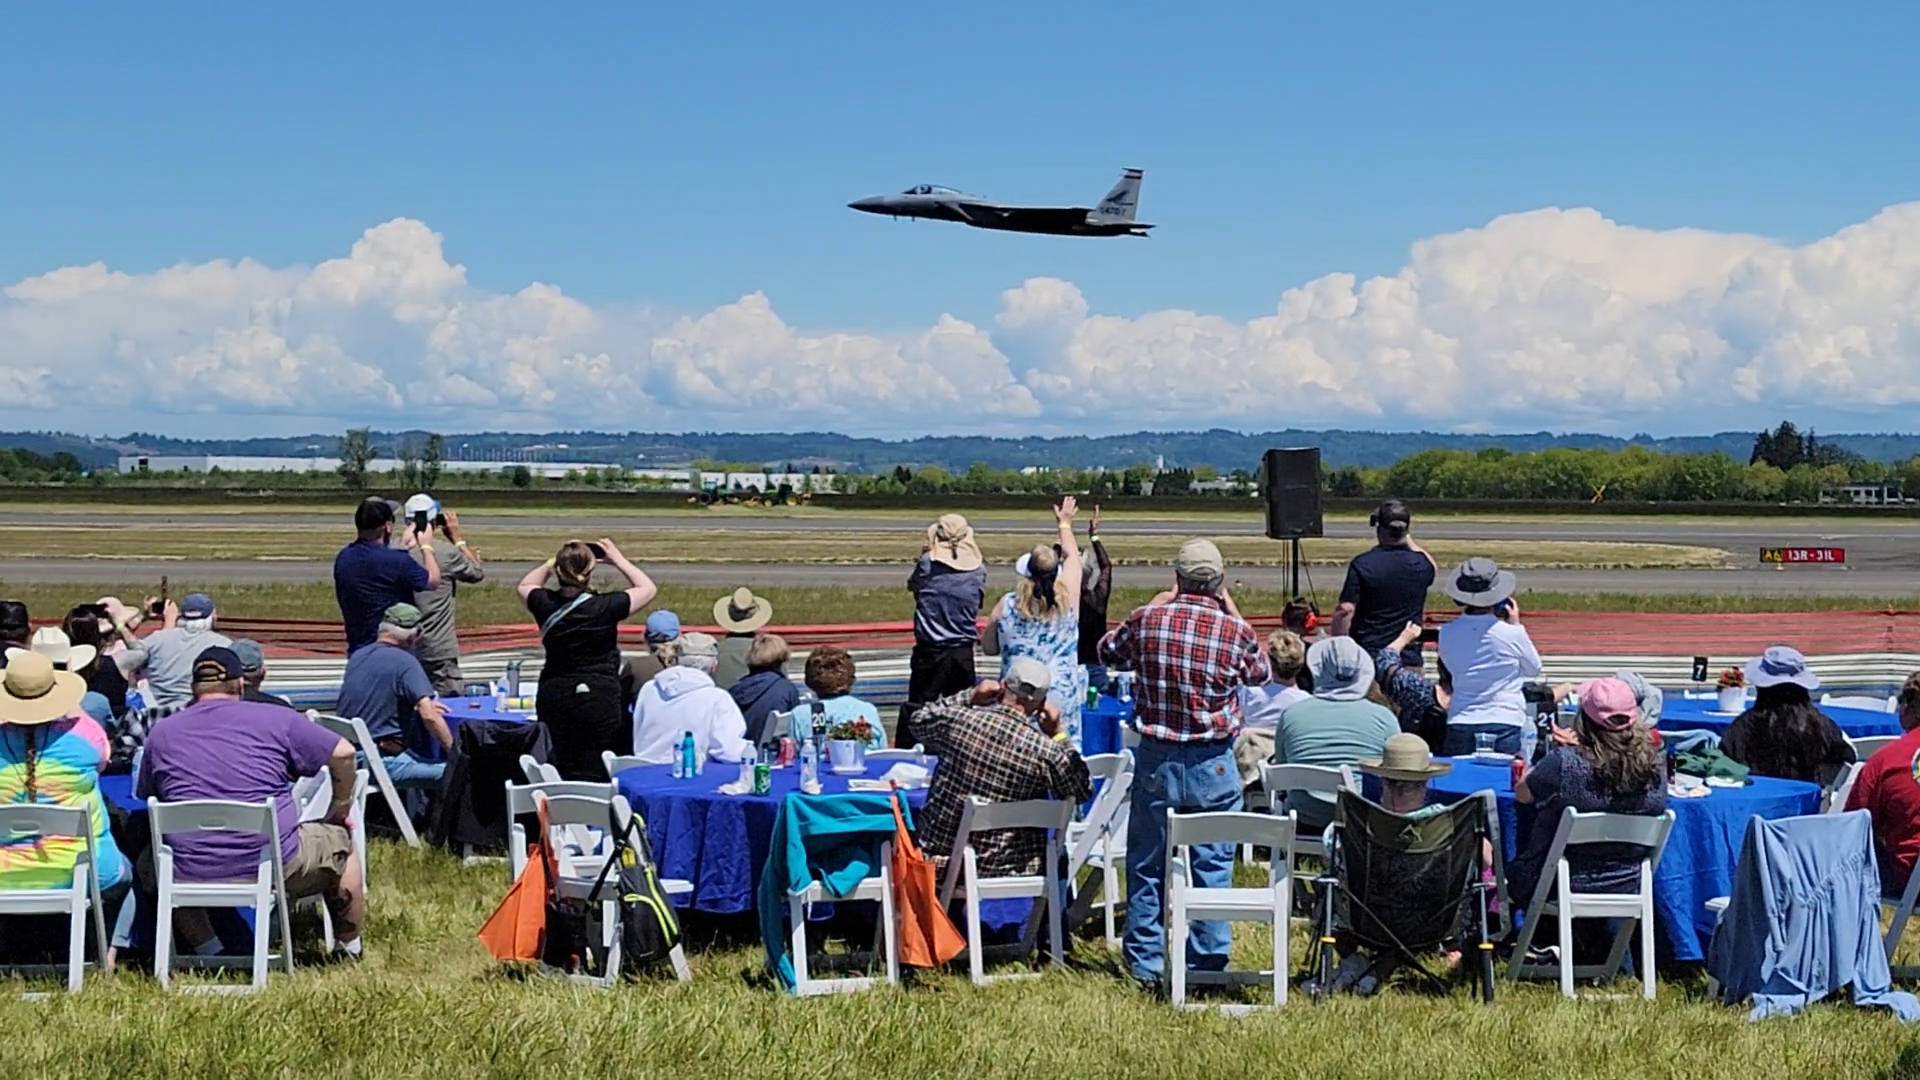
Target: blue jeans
point(1183, 777)
point(409, 773)
point(1460, 738)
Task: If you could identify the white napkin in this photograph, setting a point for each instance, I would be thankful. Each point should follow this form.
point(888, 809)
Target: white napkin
point(1684, 786)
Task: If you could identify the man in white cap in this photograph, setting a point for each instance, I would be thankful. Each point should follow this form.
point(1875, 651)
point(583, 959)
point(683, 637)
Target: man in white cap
point(1193, 653)
point(948, 583)
point(438, 645)
point(1000, 741)
point(684, 699)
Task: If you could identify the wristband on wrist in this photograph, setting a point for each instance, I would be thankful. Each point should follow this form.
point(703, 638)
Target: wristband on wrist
point(460, 544)
point(549, 564)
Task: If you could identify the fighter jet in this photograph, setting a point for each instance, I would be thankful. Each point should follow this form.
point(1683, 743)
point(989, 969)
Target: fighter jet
point(1113, 217)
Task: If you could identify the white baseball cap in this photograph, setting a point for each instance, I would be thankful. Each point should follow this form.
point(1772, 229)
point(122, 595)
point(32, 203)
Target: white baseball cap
point(423, 502)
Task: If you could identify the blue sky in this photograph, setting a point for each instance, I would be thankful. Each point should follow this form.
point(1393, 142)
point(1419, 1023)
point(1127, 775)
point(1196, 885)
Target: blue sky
point(658, 161)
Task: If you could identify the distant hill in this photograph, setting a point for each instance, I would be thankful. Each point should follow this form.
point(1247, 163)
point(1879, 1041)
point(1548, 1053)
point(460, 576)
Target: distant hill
point(1225, 450)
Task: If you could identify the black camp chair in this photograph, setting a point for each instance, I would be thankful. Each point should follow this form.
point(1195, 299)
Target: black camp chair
point(1396, 886)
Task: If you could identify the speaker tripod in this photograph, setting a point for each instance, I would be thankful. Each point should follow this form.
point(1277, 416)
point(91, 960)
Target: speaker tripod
point(1293, 566)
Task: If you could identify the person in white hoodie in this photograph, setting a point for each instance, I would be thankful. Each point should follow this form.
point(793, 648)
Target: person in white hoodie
point(684, 698)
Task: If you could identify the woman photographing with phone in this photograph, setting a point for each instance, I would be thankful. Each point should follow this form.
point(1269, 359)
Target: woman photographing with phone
point(1490, 657)
point(579, 696)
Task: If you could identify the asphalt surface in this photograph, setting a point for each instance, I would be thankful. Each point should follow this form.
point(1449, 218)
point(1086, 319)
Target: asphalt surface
point(1883, 557)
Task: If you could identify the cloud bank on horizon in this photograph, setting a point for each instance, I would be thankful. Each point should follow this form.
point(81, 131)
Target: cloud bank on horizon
point(1551, 318)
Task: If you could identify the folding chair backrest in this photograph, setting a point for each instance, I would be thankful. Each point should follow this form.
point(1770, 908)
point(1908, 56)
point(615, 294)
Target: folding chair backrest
point(1402, 879)
point(1887, 704)
point(594, 811)
point(1866, 746)
point(520, 796)
point(895, 754)
point(351, 729)
point(1029, 814)
point(618, 763)
point(1273, 831)
point(20, 821)
point(1107, 766)
point(1594, 828)
point(538, 772)
point(212, 815)
point(1278, 780)
point(1834, 799)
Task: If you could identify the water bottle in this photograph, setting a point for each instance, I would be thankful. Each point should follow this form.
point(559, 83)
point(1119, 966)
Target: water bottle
point(513, 678)
point(1529, 740)
point(1126, 688)
point(680, 760)
point(809, 763)
point(688, 758)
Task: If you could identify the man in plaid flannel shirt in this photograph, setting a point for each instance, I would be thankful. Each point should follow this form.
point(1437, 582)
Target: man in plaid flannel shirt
point(1193, 652)
point(1002, 742)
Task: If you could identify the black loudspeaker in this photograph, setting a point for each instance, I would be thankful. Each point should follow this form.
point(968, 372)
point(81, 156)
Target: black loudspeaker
point(1293, 493)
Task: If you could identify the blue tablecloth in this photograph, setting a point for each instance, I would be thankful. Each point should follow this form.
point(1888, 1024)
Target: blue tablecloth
point(1100, 725)
point(1701, 850)
point(719, 842)
point(1701, 714)
point(462, 709)
point(119, 793)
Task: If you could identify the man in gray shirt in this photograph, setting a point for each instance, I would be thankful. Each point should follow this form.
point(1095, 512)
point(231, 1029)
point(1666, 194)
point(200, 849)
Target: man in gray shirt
point(438, 645)
point(186, 629)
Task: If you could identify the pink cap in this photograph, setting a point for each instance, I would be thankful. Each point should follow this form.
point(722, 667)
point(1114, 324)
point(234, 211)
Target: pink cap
point(1608, 702)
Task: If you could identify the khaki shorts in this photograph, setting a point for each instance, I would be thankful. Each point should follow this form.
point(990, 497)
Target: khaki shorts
point(316, 866)
point(1251, 750)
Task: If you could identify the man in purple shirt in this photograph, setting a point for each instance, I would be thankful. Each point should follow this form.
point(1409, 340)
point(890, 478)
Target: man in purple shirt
point(369, 576)
point(224, 747)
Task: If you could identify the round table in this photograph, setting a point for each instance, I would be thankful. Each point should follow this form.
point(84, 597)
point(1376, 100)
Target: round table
point(462, 709)
point(1701, 850)
point(1100, 725)
point(1703, 714)
point(717, 841)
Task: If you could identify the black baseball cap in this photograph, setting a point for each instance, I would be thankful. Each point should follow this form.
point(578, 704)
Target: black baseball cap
point(1392, 514)
point(217, 663)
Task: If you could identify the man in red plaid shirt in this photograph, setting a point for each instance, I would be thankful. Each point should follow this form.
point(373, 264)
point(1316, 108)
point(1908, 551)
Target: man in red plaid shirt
point(1193, 652)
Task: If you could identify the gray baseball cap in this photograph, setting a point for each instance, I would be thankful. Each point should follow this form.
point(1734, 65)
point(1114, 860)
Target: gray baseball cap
point(1199, 559)
point(1028, 677)
point(698, 644)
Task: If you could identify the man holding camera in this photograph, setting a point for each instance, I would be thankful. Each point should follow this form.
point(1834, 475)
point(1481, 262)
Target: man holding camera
point(369, 576)
point(1386, 585)
point(437, 646)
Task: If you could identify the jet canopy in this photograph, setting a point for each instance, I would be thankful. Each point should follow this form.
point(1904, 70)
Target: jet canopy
point(932, 189)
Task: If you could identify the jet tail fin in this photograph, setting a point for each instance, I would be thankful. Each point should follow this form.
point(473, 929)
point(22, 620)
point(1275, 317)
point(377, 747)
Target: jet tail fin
point(1121, 203)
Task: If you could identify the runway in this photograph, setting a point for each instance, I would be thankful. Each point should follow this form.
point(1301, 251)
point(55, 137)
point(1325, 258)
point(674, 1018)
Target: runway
point(1883, 557)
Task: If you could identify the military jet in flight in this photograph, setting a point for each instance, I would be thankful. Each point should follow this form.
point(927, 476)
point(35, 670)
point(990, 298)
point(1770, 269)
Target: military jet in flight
point(1113, 217)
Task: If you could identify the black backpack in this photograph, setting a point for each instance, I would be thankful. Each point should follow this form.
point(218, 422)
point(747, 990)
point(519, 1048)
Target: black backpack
point(649, 930)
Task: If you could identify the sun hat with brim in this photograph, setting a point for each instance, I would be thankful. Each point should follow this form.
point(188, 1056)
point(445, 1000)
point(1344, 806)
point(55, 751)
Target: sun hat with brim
point(53, 643)
point(1342, 670)
point(741, 612)
point(1405, 757)
point(1780, 665)
point(1479, 582)
point(34, 693)
point(950, 542)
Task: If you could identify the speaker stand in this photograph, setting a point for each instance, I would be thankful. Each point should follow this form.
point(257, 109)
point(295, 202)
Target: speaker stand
point(1294, 565)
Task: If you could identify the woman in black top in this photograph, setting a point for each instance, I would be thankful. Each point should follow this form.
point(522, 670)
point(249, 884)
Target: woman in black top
point(104, 677)
point(579, 696)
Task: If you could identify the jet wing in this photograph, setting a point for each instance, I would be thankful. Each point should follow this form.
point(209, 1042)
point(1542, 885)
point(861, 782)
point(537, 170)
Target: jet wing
point(1037, 218)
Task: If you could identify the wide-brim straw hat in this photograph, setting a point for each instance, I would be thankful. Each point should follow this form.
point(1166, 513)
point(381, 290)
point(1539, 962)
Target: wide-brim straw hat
point(1405, 757)
point(34, 693)
point(741, 612)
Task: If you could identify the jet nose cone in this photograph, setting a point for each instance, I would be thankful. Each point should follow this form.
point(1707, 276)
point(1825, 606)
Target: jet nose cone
point(871, 204)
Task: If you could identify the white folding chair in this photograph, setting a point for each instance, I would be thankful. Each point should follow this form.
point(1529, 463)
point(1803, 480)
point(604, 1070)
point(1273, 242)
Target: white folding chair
point(315, 803)
point(578, 882)
point(1866, 746)
point(618, 763)
point(1888, 704)
point(1099, 842)
point(1186, 901)
point(1278, 780)
point(354, 730)
point(266, 893)
point(582, 848)
point(1834, 799)
point(878, 886)
point(81, 895)
point(893, 754)
point(963, 869)
point(1555, 896)
point(538, 772)
point(1902, 908)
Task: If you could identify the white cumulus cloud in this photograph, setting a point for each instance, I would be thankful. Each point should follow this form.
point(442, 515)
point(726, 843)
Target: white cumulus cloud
point(1550, 318)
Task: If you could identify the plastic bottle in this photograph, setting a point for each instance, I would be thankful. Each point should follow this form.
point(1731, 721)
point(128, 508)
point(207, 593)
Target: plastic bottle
point(680, 760)
point(513, 679)
point(687, 767)
point(809, 763)
point(1529, 739)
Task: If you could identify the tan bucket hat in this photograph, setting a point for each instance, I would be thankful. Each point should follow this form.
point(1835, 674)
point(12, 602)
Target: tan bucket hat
point(1406, 757)
point(34, 693)
point(53, 643)
point(742, 612)
point(950, 542)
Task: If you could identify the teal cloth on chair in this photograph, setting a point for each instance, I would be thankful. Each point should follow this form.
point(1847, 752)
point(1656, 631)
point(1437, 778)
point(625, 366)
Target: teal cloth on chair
point(834, 839)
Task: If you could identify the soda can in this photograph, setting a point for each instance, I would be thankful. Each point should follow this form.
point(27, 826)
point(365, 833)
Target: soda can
point(788, 751)
point(762, 779)
point(1519, 768)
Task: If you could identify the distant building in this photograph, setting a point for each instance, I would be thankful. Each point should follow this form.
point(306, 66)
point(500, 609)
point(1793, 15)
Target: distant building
point(234, 463)
point(1887, 494)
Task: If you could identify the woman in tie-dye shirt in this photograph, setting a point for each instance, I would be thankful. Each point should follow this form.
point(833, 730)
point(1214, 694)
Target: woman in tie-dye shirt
point(55, 762)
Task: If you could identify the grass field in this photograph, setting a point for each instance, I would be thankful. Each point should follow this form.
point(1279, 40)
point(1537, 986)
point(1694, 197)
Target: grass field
point(656, 546)
point(495, 604)
point(428, 1002)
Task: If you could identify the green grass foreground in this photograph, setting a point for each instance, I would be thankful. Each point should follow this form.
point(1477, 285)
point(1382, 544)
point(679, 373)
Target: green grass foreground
point(429, 1002)
point(495, 603)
